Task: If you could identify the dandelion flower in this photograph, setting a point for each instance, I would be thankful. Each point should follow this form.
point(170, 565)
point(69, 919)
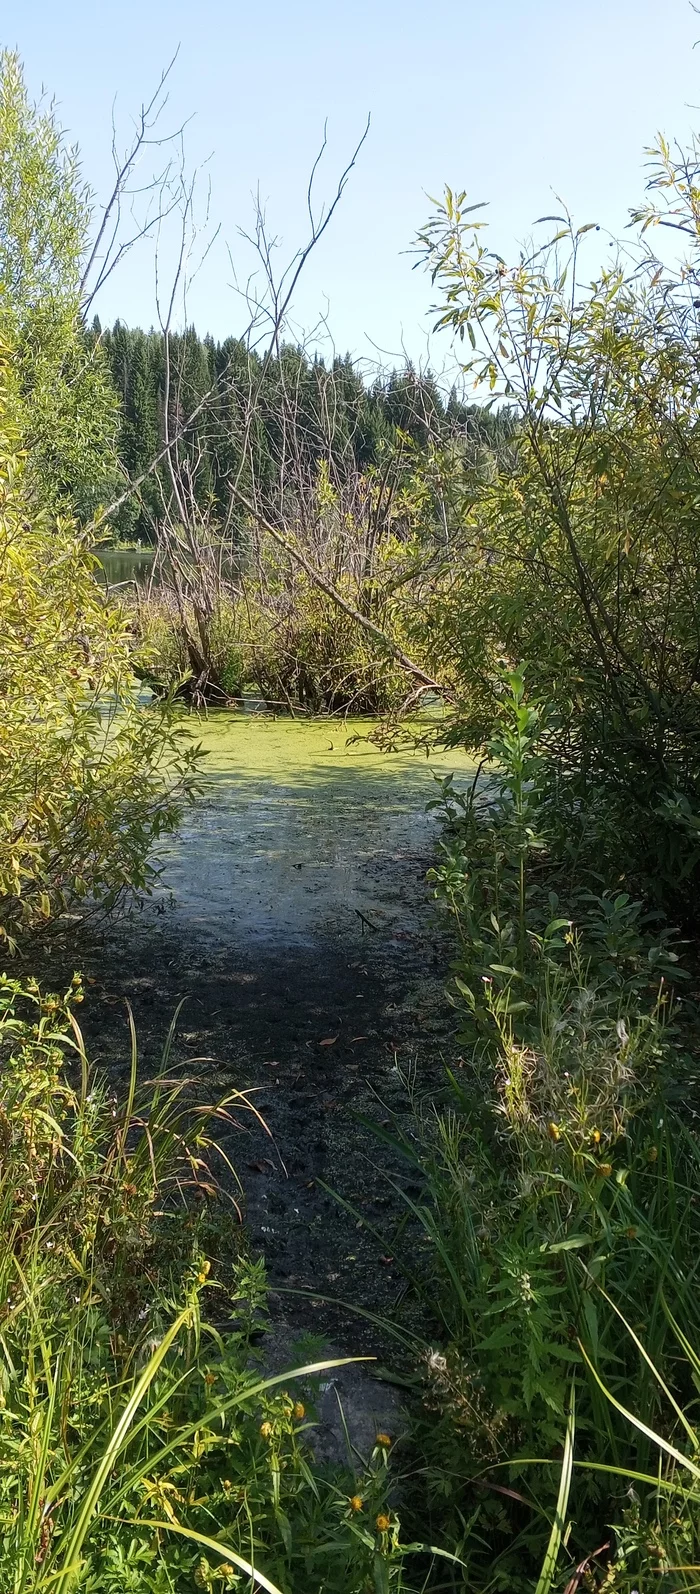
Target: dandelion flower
point(356, 1502)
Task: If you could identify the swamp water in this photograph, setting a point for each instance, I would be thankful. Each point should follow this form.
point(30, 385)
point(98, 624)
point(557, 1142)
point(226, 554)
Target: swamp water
point(294, 917)
point(305, 830)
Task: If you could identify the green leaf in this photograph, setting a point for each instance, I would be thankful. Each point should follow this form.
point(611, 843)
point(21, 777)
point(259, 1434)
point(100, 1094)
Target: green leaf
point(573, 1243)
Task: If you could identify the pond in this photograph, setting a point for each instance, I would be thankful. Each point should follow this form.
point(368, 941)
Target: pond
point(304, 830)
point(294, 918)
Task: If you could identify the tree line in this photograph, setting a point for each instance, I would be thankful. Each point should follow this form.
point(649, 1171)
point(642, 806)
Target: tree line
point(339, 417)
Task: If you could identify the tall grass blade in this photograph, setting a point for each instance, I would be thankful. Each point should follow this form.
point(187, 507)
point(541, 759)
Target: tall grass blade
point(544, 1582)
point(217, 1548)
point(115, 1444)
point(649, 1433)
point(654, 1369)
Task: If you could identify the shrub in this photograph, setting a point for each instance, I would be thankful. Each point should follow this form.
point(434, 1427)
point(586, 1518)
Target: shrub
point(579, 553)
point(559, 1212)
point(90, 779)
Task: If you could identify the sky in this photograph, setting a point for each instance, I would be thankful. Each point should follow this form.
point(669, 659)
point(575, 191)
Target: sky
point(515, 102)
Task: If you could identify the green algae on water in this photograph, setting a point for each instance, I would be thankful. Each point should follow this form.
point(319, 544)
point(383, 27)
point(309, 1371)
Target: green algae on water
point(297, 827)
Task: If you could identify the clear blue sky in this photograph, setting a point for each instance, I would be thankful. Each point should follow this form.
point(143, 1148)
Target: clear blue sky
point(509, 100)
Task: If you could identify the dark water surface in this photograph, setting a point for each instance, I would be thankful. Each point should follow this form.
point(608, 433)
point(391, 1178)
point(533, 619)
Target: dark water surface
point(294, 916)
point(121, 565)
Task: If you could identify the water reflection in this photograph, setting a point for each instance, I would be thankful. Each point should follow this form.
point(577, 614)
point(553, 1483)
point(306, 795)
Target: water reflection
point(127, 564)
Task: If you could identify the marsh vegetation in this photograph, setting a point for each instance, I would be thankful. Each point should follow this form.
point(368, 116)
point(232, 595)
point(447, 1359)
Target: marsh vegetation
point(446, 809)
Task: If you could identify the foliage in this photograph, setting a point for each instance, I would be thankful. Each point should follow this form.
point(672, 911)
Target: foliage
point(507, 877)
point(582, 551)
point(140, 1445)
point(558, 1214)
point(265, 625)
point(65, 406)
point(90, 779)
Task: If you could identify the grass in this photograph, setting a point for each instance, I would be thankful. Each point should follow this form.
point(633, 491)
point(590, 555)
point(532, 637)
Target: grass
point(142, 1445)
point(556, 1242)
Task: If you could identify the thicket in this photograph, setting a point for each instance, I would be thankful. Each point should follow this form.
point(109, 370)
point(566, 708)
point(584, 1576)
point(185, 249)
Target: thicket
point(581, 557)
point(560, 1207)
point(289, 518)
point(89, 778)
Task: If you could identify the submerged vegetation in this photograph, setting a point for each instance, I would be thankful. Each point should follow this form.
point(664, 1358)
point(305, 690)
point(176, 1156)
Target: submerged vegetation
point(339, 548)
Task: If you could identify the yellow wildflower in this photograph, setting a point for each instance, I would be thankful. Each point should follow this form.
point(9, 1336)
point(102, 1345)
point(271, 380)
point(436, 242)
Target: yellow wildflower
point(384, 1439)
point(554, 1131)
point(355, 1502)
point(266, 1430)
point(383, 1523)
point(605, 1169)
point(298, 1411)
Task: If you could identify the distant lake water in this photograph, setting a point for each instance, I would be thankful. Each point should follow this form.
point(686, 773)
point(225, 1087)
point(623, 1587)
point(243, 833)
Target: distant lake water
point(126, 564)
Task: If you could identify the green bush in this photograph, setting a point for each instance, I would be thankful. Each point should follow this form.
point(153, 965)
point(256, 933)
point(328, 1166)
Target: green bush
point(90, 778)
point(579, 551)
point(559, 1215)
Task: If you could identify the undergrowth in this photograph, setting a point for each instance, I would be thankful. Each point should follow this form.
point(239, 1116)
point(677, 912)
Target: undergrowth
point(142, 1445)
point(557, 1439)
